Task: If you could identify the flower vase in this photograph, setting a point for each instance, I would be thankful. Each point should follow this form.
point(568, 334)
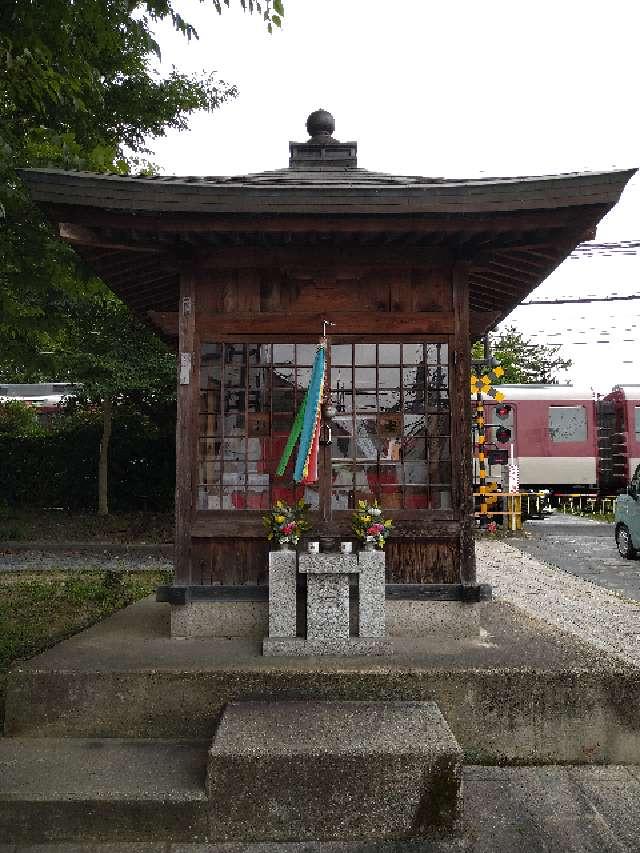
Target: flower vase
point(368, 546)
point(284, 546)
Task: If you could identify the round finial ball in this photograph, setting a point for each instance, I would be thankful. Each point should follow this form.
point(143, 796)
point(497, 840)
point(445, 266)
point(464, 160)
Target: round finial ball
point(320, 123)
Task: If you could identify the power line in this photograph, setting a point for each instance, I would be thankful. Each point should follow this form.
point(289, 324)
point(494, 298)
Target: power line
point(590, 249)
point(582, 301)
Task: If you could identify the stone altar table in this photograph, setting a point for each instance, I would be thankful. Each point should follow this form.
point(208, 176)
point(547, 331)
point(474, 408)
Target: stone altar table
point(327, 604)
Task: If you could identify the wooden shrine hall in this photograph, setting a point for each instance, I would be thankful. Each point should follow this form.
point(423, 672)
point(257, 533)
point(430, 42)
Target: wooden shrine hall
point(239, 273)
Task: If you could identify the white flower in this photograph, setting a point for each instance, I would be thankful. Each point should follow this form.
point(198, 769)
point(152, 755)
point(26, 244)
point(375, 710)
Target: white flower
point(375, 510)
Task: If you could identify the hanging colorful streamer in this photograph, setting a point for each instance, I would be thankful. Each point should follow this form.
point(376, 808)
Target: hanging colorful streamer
point(294, 435)
point(306, 427)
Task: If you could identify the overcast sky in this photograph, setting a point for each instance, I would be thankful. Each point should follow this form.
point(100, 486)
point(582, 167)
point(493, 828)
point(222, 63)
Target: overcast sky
point(456, 89)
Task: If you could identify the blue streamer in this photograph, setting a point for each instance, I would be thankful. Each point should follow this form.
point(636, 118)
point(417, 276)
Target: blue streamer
point(313, 398)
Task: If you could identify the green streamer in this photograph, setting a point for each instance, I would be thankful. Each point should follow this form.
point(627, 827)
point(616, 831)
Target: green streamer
point(294, 435)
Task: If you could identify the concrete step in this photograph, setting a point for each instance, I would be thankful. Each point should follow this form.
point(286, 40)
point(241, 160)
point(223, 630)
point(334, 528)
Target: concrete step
point(318, 770)
point(111, 789)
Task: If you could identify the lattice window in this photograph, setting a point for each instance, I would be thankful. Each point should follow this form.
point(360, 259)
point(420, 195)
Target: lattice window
point(249, 395)
point(391, 436)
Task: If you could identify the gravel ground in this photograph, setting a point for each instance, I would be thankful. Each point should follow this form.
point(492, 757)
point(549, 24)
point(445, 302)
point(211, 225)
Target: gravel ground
point(585, 548)
point(95, 561)
point(570, 603)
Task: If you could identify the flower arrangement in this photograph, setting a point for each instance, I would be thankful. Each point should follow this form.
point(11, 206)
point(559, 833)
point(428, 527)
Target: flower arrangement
point(369, 526)
point(285, 524)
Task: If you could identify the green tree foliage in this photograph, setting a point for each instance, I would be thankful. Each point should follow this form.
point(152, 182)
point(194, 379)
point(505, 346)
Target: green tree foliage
point(117, 363)
point(17, 418)
point(78, 90)
point(523, 360)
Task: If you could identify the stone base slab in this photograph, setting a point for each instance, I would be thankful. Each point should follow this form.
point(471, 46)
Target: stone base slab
point(444, 619)
point(315, 770)
point(299, 647)
point(250, 619)
point(220, 619)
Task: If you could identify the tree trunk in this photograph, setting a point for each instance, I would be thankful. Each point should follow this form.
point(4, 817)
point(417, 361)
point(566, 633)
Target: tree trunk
point(103, 465)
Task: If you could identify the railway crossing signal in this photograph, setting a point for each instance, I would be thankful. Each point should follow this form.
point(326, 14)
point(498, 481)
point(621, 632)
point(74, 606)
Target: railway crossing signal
point(503, 432)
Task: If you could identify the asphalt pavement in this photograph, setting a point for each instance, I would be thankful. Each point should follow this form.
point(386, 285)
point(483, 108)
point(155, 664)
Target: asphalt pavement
point(583, 547)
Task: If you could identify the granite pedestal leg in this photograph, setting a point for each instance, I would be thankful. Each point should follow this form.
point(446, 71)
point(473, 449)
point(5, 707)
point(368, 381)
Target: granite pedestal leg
point(371, 593)
point(282, 593)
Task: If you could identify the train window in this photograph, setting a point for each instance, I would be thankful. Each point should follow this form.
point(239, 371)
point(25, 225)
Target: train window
point(637, 423)
point(567, 423)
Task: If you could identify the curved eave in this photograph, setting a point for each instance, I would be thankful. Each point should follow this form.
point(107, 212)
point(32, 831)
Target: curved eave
point(107, 192)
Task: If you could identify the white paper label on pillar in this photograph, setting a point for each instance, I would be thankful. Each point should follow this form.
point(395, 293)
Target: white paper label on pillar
point(185, 368)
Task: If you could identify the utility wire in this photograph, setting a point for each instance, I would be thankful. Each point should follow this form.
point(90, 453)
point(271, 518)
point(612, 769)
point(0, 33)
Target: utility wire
point(582, 301)
point(591, 249)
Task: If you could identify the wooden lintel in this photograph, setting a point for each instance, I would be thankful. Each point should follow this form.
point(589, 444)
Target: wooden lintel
point(336, 258)
point(80, 235)
point(214, 326)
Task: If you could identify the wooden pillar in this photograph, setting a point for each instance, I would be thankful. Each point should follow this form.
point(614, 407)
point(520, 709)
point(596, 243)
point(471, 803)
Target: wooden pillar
point(461, 423)
point(186, 426)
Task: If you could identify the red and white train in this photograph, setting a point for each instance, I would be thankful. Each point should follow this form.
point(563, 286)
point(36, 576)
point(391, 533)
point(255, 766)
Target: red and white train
point(564, 439)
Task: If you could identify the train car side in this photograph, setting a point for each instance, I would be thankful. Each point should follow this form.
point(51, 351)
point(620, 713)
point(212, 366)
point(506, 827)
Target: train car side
point(620, 439)
point(554, 436)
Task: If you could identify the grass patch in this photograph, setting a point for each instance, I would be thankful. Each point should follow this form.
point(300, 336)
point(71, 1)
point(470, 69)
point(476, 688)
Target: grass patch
point(149, 528)
point(38, 609)
point(581, 513)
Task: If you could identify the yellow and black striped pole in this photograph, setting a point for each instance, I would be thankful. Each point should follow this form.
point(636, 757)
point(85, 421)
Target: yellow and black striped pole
point(482, 385)
point(482, 468)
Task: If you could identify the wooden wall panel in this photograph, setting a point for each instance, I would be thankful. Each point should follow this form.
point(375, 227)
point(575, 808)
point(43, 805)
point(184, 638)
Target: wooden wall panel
point(230, 561)
point(430, 290)
point(211, 288)
point(244, 561)
point(423, 562)
point(274, 290)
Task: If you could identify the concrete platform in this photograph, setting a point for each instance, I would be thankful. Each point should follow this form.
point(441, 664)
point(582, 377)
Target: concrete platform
point(92, 790)
point(521, 692)
point(290, 771)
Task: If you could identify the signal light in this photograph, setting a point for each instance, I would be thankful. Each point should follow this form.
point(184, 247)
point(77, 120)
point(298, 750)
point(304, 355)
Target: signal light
point(503, 411)
point(503, 434)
